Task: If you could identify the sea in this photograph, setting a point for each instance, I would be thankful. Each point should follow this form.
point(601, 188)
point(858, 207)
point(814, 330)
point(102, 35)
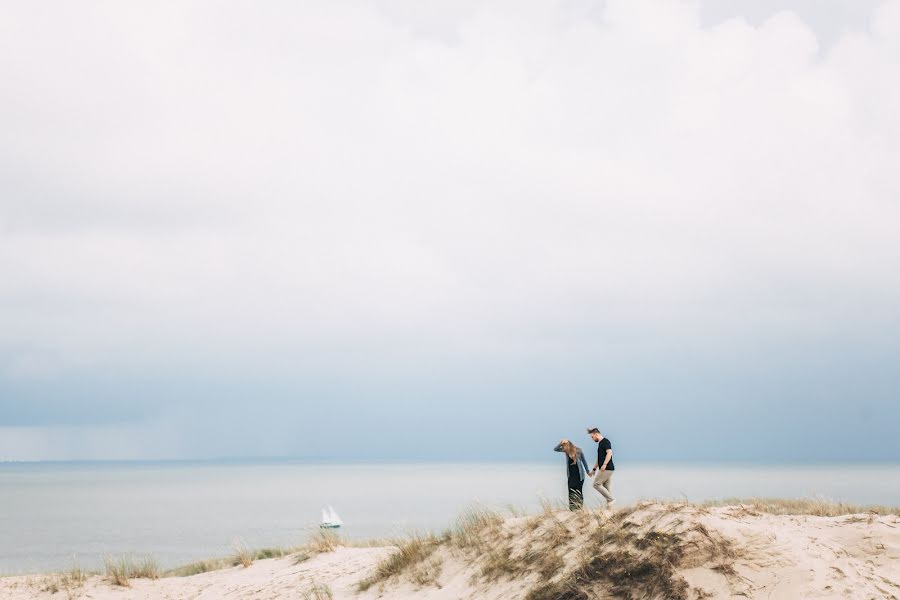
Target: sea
point(54, 515)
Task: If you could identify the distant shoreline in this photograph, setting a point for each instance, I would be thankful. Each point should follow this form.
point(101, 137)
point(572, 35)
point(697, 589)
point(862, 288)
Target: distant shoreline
point(444, 461)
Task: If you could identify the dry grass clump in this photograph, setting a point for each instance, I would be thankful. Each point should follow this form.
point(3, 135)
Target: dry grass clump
point(427, 572)
point(66, 581)
point(121, 570)
point(324, 541)
point(549, 565)
point(264, 553)
point(318, 591)
point(411, 553)
point(557, 534)
point(474, 528)
point(637, 559)
point(499, 562)
point(479, 534)
point(201, 566)
point(144, 567)
point(242, 554)
point(804, 506)
point(117, 571)
point(319, 543)
point(532, 547)
point(550, 506)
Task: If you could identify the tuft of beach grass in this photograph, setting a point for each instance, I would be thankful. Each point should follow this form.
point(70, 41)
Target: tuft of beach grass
point(804, 506)
point(123, 569)
point(66, 581)
point(411, 552)
point(318, 591)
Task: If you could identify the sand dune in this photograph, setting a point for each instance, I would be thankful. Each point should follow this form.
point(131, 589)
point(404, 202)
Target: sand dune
point(646, 551)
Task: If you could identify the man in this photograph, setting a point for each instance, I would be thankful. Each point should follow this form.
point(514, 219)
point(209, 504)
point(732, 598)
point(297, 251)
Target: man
point(603, 481)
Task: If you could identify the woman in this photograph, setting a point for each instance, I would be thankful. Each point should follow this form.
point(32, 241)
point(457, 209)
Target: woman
point(576, 467)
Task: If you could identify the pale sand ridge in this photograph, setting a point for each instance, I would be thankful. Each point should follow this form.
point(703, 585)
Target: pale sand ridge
point(651, 550)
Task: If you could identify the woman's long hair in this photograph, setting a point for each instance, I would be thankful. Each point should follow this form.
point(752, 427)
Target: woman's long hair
point(571, 451)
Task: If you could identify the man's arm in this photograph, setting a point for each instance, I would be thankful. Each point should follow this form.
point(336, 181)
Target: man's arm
point(607, 459)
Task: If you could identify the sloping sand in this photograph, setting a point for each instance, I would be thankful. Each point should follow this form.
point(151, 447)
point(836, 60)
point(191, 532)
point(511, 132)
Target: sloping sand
point(723, 552)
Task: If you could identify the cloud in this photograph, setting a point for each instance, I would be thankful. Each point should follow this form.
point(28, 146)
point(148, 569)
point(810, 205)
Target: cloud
point(363, 189)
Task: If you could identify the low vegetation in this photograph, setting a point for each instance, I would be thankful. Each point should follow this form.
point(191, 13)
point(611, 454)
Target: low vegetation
point(804, 506)
point(201, 566)
point(242, 554)
point(411, 553)
point(323, 541)
point(318, 543)
point(66, 581)
point(245, 556)
point(318, 591)
point(122, 570)
point(635, 552)
point(475, 528)
point(416, 557)
point(638, 558)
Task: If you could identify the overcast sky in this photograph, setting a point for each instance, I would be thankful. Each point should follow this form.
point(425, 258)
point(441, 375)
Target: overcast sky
point(455, 229)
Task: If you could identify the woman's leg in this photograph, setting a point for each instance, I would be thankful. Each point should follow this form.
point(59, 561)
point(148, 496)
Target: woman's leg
point(576, 497)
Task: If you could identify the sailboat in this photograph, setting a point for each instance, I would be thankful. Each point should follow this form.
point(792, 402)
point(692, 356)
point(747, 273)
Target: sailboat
point(330, 519)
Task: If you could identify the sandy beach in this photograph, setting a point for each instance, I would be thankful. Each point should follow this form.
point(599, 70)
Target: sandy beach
point(651, 550)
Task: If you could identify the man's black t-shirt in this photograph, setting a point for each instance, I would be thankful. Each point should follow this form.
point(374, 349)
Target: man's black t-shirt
point(602, 447)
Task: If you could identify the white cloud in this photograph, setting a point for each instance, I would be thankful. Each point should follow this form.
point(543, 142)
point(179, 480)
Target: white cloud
point(233, 185)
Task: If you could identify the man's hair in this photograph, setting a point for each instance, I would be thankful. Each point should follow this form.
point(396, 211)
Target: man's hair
point(593, 430)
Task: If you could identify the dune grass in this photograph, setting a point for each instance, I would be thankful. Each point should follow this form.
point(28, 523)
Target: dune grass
point(242, 554)
point(411, 552)
point(320, 542)
point(566, 553)
point(634, 553)
point(201, 566)
point(318, 591)
point(123, 569)
point(804, 506)
point(414, 555)
point(473, 527)
point(68, 581)
point(323, 541)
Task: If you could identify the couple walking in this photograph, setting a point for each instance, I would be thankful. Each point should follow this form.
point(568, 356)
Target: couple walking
point(577, 469)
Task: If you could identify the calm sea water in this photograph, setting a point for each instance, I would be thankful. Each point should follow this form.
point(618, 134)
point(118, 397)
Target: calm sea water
point(180, 512)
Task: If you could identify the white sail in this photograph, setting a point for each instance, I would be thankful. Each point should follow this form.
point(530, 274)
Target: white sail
point(333, 516)
point(330, 517)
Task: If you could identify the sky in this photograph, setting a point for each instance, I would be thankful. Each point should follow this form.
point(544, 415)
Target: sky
point(457, 230)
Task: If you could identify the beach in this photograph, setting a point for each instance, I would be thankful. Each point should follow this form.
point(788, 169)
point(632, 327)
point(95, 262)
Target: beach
point(181, 512)
point(481, 300)
point(652, 550)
